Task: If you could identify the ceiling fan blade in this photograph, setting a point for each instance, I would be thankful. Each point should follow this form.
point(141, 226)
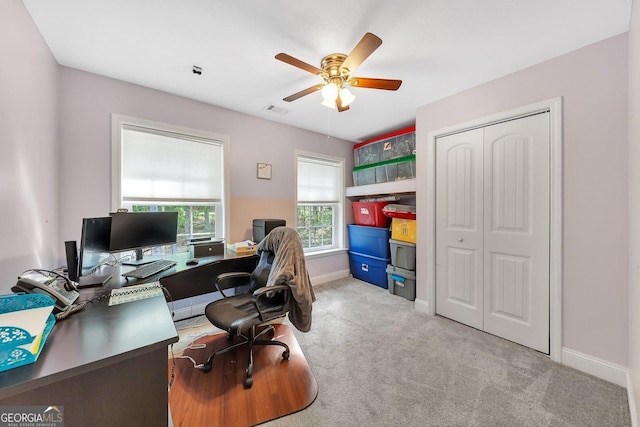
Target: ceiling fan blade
point(297, 63)
point(365, 47)
point(369, 83)
point(341, 108)
point(302, 93)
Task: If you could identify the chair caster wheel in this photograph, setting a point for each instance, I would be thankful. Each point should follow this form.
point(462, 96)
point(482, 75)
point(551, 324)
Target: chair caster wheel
point(206, 367)
point(248, 382)
point(285, 355)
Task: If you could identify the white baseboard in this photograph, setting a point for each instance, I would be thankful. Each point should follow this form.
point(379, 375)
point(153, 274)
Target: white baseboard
point(421, 306)
point(583, 362)
point(198, 309)
point(190, 307)
point(329, 277)
point(597, 367)
point(181, 313)
point(632, 402)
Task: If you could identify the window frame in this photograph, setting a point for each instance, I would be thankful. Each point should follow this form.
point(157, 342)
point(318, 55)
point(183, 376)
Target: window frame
point(339, 215)
point(117, 123)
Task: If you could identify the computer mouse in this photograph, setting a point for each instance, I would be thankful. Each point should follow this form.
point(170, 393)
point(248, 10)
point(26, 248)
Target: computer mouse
point(192, 261)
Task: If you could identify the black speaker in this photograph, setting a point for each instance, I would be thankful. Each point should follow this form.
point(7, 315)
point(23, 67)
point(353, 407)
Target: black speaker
point(72, 259)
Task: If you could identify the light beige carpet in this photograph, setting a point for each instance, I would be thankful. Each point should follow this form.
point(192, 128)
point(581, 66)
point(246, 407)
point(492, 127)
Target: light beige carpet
point(378, 362)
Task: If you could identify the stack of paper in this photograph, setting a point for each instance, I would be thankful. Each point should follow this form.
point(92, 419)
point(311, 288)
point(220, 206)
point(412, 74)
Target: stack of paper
point(246, 247)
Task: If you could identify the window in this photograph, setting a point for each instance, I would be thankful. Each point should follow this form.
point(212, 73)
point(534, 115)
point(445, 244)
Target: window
point(158, 167)
point(320, 201)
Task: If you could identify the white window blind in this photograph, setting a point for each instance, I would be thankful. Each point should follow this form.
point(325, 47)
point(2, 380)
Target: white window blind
point(319, 180)
point(165, 166)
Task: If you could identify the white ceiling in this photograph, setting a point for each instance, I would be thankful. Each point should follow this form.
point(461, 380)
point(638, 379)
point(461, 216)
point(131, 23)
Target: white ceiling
point(437, 47)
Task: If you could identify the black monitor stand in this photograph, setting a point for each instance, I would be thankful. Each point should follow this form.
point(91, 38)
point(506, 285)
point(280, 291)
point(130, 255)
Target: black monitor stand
point(96, 278)
point(140, 260)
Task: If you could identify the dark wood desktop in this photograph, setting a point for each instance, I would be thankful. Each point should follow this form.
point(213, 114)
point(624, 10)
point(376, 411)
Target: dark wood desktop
point(106, 364)
point(182, 280)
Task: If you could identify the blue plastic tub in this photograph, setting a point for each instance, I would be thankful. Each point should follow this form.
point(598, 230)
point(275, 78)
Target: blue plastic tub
point(369, 269)
point(372, 241)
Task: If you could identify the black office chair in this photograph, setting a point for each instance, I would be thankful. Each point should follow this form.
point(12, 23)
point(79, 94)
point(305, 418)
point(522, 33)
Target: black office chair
point(241, 314)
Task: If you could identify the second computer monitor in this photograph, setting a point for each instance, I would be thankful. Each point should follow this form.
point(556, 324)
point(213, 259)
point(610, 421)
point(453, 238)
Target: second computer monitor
point(138, 230)
point(94, 244)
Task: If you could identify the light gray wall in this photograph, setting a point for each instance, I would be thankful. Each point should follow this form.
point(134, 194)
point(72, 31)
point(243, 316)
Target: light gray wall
point(55, 137)
point(87, 103)
point(28, 147)
point(634, 209)
point(593, 84)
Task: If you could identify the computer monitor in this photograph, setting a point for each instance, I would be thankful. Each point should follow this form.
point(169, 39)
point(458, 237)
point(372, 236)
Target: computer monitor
point(94, 250)
point(139, 230)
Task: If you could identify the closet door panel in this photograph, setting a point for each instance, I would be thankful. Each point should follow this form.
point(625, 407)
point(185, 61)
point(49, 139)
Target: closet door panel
point(516, 231)
point(459, 215)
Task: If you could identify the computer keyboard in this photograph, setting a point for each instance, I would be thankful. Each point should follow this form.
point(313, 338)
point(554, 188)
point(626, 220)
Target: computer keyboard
point(150, 269)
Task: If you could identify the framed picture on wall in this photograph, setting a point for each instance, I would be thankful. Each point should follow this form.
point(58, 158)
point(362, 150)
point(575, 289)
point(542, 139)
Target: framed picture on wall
point(264, 171)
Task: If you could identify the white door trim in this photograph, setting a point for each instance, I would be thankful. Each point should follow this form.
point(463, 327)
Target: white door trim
point(427, 234)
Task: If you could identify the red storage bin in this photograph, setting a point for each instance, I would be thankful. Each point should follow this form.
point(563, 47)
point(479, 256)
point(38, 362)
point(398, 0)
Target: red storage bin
point(399, 211)
point(370, 214)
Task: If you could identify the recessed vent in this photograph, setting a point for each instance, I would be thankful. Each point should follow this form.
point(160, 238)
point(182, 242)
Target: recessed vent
point(275, 109)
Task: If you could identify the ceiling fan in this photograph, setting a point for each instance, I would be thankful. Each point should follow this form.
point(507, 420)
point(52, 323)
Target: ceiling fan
point(336, 70)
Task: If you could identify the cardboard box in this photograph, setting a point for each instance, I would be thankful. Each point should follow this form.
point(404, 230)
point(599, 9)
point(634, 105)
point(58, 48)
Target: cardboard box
point(243, 248)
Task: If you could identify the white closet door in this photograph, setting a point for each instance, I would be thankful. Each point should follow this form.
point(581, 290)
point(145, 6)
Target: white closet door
point(492, 229)
point(516, 231)
point(459, 231)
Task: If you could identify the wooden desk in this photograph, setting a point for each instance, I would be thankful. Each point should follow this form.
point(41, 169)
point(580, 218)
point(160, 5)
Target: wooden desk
point(200, 279)
point(106, 365)
point(182, 280)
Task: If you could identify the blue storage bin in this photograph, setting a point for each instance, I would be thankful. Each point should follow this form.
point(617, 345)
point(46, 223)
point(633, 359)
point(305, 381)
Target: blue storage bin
point(369, 269)
point(372, 241)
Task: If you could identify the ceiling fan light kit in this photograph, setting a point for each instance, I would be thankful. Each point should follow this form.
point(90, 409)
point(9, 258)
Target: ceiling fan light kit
point(330, 92)
point(336, 70)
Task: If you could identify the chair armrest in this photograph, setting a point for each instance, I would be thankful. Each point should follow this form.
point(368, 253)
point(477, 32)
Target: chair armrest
point(260, 293)
point(231, 280)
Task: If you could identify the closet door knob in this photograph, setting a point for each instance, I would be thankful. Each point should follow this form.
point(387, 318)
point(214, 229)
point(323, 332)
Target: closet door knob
point(460, 239)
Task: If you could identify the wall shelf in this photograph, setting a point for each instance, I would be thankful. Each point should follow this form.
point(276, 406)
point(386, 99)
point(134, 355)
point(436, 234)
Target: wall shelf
point(383, 188)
